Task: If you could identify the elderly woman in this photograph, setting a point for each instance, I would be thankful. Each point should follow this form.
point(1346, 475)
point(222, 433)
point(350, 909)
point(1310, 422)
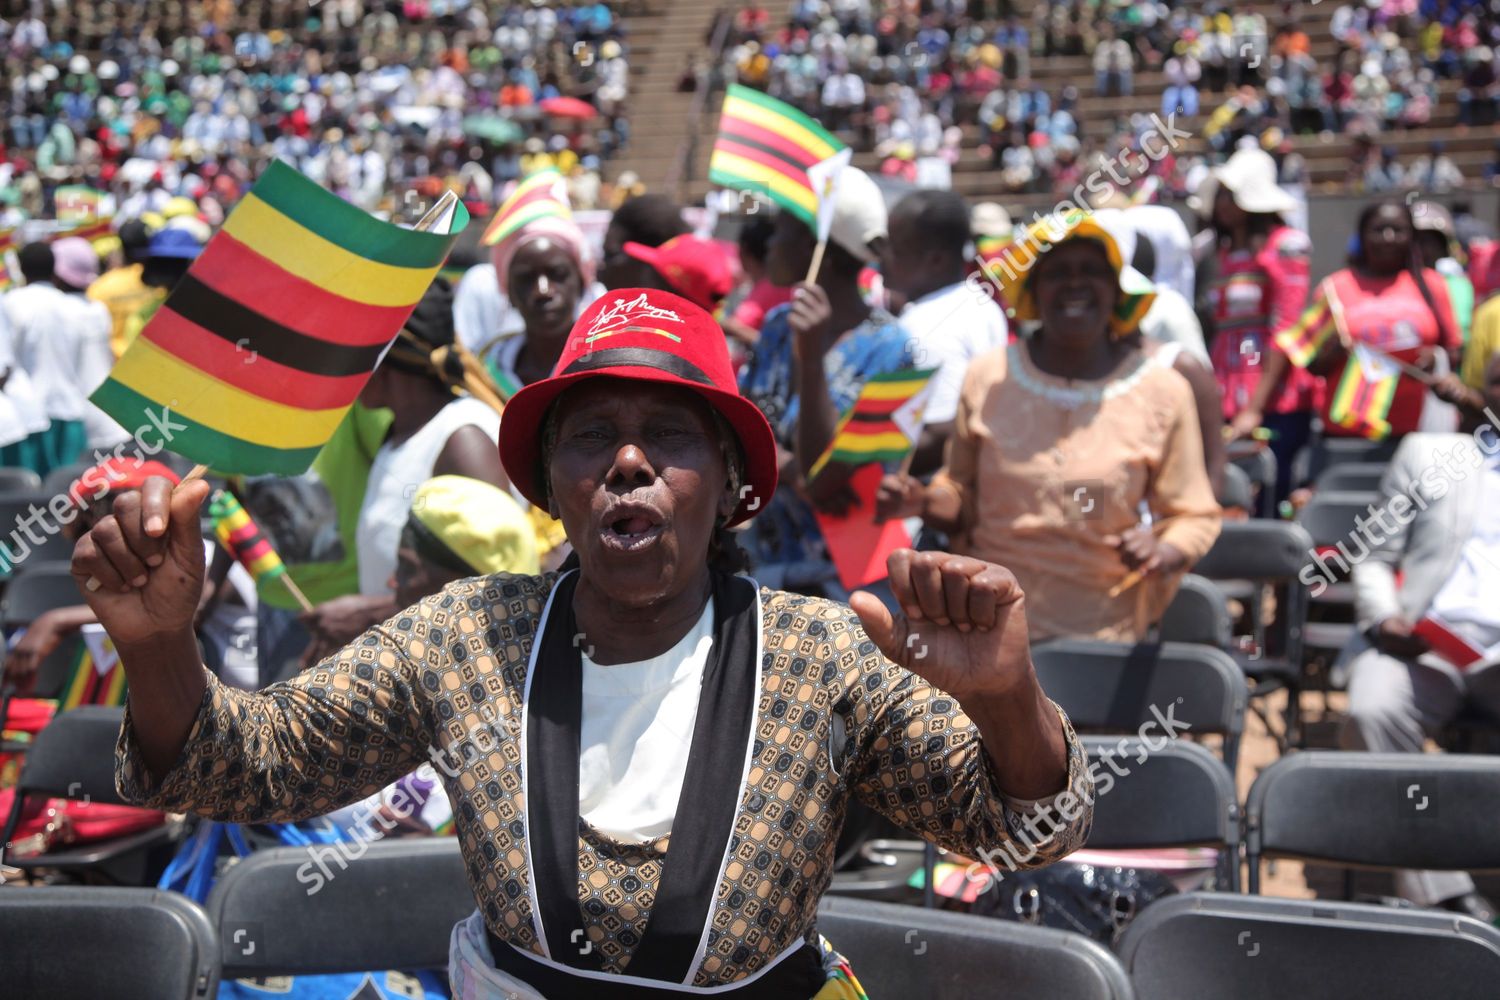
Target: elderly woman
point(656, 753)
point(1076, 461)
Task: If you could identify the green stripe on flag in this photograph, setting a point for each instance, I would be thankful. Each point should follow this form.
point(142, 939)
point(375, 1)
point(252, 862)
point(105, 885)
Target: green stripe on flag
point(200, 444)
point(784, 109)
point(348, 226)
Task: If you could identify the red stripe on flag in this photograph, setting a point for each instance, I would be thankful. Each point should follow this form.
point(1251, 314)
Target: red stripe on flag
point(234, 270)
point(227, 362)
point(879, 407)
point(732, 128)
point(728, 145)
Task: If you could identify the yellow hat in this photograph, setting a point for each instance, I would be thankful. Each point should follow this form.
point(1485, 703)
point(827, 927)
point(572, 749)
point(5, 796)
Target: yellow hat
point(1016, 264)
point(179, 206)
point(480, 524)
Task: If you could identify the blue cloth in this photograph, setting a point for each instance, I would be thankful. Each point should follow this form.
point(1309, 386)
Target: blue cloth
point(783, 540)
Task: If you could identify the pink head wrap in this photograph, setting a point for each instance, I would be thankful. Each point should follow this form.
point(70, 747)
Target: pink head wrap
point(552, 227)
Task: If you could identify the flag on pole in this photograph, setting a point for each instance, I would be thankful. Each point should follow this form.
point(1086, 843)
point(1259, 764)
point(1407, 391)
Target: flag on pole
point(883, 424)
point(7, 244)
point(540, 194)
point(824, 177)
point(767, 145)
point(265, 343)
point(242, 537)
point(79, 203)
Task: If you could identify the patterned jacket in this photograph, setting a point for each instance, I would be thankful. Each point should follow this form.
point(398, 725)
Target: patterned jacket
point(442, 684)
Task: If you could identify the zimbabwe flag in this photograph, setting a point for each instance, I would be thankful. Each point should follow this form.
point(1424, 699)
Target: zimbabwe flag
point(767, 145)
point(1302, 341)
point(884, 422)
point(7, 244)
point(540, 194)
point(1361, 403)
point(242, 538)
point(259, 351)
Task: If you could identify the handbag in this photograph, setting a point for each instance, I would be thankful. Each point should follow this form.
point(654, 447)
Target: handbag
point(1094, 901)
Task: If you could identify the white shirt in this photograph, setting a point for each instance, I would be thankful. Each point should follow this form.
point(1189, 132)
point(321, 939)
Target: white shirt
point(395, 475)
point(638, 721)
point(949, 328)
point(1467, 600)
point(58, 339)
point(482, 313)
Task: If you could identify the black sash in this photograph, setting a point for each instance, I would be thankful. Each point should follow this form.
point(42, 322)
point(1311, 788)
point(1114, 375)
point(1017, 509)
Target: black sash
point(706, 807)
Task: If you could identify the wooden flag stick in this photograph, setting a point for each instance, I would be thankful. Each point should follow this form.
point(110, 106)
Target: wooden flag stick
point(817, 261)
point(1132, 578)
point(197, 472)
point(435, 214)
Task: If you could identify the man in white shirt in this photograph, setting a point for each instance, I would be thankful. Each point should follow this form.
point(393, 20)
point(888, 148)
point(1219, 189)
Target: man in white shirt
point(1442, 493)
point(950, 323)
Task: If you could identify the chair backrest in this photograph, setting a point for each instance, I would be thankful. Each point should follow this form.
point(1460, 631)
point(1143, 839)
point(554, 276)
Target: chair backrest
point(126, 944)
point(1329, 516)
point(74, 756)
point(62, 478)
point(1153, 792)
point(17, 546)
point(1233, 947)
point(1330, 451)
point(1110, 687)
point(1259, 464)
point(1198, 613)
point(1376, 810)
point(1352, 477)
point(17, 480)
point(1259, 550)
point(341, 907)
point(907, 951)
point(1237, 491)
point(36, 588)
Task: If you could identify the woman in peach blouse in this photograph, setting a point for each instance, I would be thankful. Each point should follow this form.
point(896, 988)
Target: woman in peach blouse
point(1076, 459)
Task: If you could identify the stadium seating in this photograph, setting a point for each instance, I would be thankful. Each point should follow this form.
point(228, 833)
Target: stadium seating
point(1198, 613)
point(123, 944)
point(1330, 520)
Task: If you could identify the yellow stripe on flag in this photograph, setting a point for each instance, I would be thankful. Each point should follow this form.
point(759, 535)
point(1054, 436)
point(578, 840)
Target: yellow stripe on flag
point(309, 256)
point(786, 127)
point(774, 180)
point(892, 441)
point(893, 390)
point(203, 399)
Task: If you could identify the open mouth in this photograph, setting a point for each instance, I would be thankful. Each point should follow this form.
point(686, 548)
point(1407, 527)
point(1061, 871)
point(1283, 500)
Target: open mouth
point(630, 528)
point(1077, 303)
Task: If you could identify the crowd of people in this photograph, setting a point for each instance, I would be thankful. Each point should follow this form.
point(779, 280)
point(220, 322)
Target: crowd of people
point(1089, 370)
point(144, 102)
point(904, 82)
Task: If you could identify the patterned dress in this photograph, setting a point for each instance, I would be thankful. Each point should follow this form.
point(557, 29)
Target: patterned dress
point(446, 682)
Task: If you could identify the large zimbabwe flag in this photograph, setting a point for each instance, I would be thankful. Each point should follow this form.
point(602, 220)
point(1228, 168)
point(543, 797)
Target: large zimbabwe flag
point(259, 351)
point(539, 194)
point(767, 145)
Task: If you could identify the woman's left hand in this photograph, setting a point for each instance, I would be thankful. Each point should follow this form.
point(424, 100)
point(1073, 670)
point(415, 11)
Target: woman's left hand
point(1141, 549)
point(962, 626)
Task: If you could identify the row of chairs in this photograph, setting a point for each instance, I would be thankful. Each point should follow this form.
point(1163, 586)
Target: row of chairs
point(394, 907)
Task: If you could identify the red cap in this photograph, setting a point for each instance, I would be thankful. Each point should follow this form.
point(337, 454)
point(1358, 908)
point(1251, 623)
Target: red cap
point(127, 473)
point(697, 269)
point(646, 335)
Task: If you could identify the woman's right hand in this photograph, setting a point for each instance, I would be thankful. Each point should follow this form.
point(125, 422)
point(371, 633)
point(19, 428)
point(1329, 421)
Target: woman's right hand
point(1245, 423)
point(899, 496)
point(141, 568)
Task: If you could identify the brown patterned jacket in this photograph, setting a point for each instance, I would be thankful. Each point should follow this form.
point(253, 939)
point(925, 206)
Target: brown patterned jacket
point(441, 684)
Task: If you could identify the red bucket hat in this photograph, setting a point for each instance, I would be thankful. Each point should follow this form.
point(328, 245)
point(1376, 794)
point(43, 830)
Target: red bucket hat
point(651, 335)
point(695, 268)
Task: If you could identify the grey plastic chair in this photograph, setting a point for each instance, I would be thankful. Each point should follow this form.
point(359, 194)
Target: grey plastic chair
point(1376, 810)
point(906, 951)
point(1352, 477)
point(125, 944)
point(1177, 795)
point(341, 907)
point(17, 480)
point(1250, 948)
point(1198, 613)
point(1329, 518)
point(1108, 687)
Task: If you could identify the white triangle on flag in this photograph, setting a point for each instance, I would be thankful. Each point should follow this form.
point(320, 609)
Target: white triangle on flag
point(1376, 365)
point(101, 648)
point(824, 177)
point(908, 416)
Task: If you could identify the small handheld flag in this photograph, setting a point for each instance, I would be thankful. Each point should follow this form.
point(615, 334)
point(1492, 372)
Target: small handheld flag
point(265, 343)
point(825, 176)
point(884, 423)
point(540, 194)
point(242, 538)
point(768, 146)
